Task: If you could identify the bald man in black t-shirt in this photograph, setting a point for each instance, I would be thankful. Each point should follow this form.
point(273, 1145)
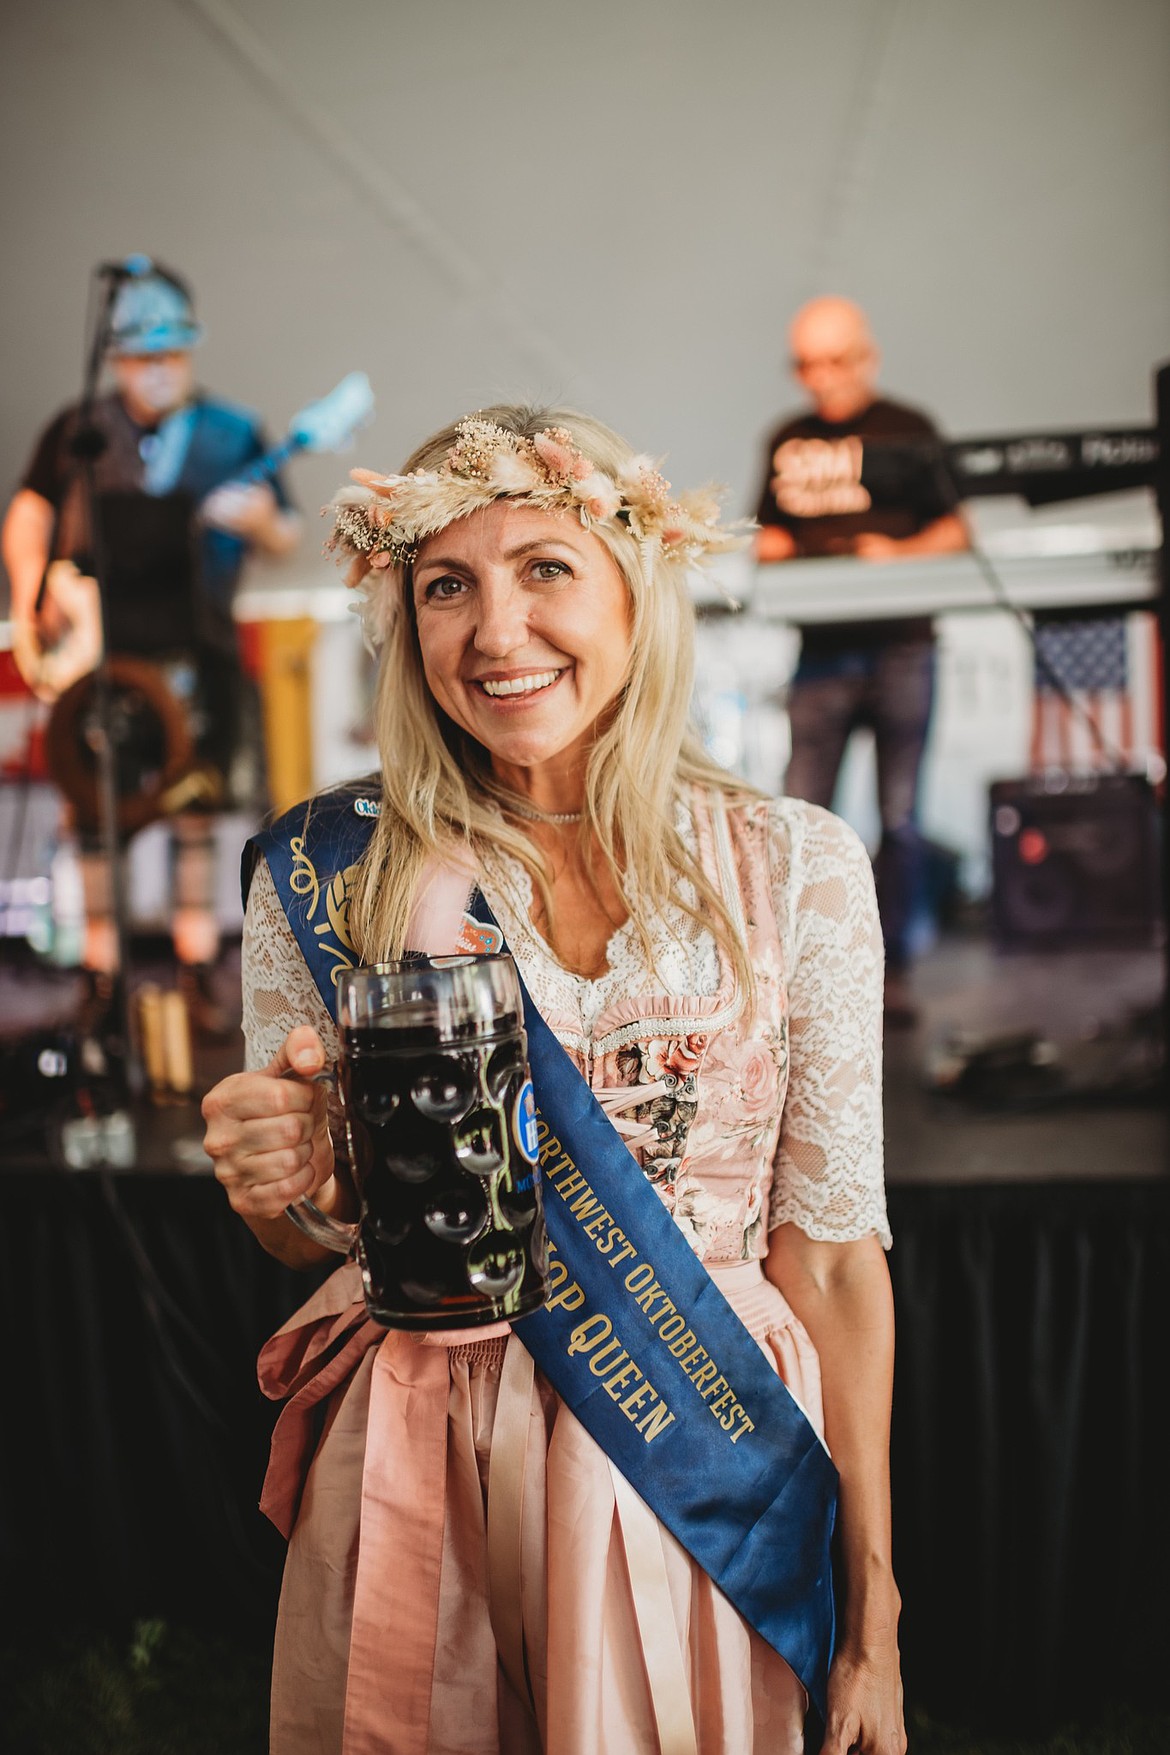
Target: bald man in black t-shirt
point(873, 672)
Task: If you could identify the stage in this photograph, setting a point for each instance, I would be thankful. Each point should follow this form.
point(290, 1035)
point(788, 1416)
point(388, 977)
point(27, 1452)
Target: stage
point(1031, 1256)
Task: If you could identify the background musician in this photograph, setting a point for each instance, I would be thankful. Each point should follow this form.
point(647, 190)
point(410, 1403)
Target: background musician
point(877, 673)
point(176, 529)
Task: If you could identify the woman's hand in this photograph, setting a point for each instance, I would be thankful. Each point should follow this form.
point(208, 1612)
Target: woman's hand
point(268, 1137)
point(865, 1702)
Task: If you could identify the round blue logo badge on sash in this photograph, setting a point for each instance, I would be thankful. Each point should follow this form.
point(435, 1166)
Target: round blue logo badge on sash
point(524, 1121)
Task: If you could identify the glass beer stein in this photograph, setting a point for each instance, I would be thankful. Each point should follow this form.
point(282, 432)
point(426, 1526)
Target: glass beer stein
point(440, 1121)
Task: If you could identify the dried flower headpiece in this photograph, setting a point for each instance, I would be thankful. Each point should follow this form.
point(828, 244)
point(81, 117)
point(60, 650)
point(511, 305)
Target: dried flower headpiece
point(380, 521)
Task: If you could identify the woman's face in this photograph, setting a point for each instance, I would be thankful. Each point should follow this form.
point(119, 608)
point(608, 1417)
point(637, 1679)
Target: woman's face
point(524, 625)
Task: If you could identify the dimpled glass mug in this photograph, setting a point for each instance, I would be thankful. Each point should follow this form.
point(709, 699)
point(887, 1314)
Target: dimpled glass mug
point(441, 1126)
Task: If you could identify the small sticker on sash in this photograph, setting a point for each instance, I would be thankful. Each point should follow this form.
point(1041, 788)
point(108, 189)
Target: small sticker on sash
point(367, 807)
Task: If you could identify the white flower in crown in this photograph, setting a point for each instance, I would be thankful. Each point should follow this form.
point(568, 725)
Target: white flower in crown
point(598, 495)
point(512, 473)
point(385, 486)
point(645, 490)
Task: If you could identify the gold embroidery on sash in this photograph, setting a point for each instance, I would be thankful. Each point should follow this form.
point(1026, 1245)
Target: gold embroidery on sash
point(304, 881)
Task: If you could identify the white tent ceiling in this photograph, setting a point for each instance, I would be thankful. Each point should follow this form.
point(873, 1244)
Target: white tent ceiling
point(615, 203)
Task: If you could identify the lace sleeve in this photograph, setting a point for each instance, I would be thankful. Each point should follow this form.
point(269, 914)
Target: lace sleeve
point(279, 993)
point(827, 1176)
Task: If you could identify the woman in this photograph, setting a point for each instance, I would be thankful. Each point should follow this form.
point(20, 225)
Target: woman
point(711, 961)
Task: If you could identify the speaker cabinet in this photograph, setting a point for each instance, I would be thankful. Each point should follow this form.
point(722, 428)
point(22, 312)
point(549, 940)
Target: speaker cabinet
point(1074, 860)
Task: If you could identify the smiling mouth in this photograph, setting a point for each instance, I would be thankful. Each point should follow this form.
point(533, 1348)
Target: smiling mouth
point(520, 685)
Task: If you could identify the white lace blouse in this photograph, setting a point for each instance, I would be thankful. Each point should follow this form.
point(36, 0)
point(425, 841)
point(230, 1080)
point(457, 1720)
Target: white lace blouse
point(826, 1173)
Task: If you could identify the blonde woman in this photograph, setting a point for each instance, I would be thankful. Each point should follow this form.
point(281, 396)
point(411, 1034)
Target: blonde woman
point(710, 963)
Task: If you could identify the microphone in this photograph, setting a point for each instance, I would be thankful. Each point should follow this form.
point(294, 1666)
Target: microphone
point(129, 268)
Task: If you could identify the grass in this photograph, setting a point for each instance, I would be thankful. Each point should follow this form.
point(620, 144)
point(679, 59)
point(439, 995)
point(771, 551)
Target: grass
point(1120, 1732)
point(165, 1690)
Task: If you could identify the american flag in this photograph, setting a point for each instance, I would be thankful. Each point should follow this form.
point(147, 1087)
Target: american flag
point(1110, 665)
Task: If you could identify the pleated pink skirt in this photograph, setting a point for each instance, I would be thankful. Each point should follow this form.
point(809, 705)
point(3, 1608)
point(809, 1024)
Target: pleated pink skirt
point(468, 1575)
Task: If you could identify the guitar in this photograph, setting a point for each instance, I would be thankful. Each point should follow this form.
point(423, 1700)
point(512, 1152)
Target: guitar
point(49, 667)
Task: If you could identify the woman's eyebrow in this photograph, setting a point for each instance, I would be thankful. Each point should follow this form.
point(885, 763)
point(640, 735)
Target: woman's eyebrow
point(448, 564)
point(509, 554)
point(527, 548)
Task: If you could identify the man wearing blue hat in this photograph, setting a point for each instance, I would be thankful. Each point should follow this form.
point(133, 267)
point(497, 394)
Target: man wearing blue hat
point(176, 528)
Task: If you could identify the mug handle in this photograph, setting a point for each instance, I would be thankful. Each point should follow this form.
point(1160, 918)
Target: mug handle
point(321, 1227)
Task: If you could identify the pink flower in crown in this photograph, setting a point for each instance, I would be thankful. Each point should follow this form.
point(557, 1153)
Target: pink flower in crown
point(381, 559)
point(560, 456)
point(386, 486)
point(598, 495)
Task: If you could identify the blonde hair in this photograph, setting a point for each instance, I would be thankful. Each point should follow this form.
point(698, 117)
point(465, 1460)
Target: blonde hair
point(438, 791)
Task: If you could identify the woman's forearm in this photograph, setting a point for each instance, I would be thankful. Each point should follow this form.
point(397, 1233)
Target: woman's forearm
point(841, 1293)
point(286, 1241)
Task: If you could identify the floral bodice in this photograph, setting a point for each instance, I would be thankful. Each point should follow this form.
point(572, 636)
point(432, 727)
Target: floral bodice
point(741, 1121)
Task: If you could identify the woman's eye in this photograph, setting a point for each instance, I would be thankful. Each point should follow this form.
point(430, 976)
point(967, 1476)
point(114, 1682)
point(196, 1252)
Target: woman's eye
point(549, 569)
point(444, 589)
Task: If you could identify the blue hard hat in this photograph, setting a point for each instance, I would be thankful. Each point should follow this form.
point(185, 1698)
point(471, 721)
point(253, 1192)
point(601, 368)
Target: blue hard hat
point(152, 313)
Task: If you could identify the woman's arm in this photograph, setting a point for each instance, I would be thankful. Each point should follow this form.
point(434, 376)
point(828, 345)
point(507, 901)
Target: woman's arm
point(827, 1185)
point(841, 1293)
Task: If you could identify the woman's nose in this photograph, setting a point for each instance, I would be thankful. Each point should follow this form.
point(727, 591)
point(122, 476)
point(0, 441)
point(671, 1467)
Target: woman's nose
point(503, 620)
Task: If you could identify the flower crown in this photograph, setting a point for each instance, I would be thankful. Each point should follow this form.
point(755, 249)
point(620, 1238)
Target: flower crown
point(380, 521)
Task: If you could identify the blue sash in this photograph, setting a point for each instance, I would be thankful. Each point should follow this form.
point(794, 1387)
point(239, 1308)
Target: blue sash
point(635, 1337)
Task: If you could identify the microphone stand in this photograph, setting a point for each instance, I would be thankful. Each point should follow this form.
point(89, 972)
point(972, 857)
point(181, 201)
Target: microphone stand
point(88, 444)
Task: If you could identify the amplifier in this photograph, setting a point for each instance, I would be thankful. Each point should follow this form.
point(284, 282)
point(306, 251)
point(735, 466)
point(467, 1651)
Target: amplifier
point(1074, 860)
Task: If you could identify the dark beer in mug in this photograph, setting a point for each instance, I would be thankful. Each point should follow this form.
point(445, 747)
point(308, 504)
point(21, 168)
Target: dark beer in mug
point(441, 1127)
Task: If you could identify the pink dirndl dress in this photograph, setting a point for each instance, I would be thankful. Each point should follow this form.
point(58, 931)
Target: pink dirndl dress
point(467, 1574)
